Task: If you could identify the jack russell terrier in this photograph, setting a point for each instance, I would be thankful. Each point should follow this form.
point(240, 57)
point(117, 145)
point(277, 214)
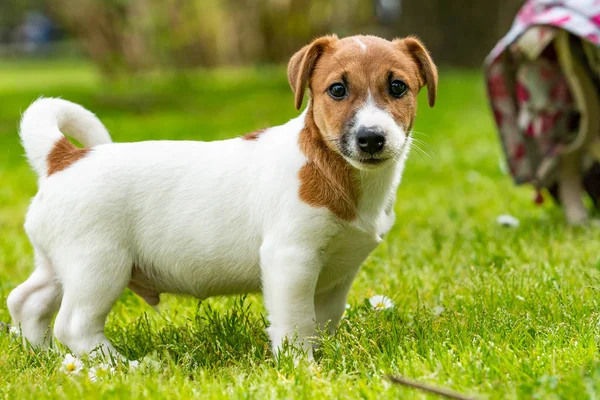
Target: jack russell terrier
point(291, 211)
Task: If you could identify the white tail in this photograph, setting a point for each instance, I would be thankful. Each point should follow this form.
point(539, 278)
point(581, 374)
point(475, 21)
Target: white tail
point(44, 123)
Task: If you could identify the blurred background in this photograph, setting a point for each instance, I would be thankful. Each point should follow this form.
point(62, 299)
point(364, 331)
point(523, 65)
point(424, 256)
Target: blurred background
point(521, 305)
point(131, 36)
point(215, 69)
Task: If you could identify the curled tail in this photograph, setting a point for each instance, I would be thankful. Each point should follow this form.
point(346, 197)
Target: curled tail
point(47, 119)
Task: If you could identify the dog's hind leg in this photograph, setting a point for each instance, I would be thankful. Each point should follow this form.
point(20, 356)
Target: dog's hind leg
point(92, 283)
point(32, 304)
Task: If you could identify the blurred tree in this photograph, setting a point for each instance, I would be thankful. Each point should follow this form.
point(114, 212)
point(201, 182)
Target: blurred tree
point(132, 35)
point(459, 32)
point(125, 36)
point(12, 14)
point(113, 32)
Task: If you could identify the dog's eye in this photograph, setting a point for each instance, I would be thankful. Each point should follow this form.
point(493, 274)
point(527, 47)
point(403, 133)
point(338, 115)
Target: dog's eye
point(337, 91)
point(398, 88)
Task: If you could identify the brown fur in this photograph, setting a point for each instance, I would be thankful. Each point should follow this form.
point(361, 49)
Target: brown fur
point(302, 64)
point(427, 71)
point(63, 154)
point(253, 135)
point(327, 180)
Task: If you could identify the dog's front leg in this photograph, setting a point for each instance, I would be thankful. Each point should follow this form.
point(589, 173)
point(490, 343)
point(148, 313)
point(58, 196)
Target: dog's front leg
point(330, 305)
point(289, 277)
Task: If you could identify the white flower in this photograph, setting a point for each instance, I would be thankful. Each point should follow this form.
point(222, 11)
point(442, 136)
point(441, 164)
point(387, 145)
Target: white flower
point(14, 331)
point(345, 314)
point(149, 364)
point(71, 365)
point(507, 220)
point(437, 311)
point(520, 298)
point(134, 364)
point(380, 302)
point(100, 372)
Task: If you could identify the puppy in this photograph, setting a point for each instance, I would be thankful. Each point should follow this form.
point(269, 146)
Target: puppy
point(291, 211)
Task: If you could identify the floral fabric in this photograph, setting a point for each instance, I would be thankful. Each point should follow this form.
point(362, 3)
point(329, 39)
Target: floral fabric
point(529, 94)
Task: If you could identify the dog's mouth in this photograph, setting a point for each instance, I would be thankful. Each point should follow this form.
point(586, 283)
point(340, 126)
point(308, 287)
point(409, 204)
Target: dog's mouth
point(362, 160)
point(367, 163)
point(372, 161)
point(376, 160)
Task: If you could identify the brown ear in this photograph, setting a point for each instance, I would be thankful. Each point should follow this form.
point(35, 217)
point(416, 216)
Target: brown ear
point(428, 74)
point(302, 64)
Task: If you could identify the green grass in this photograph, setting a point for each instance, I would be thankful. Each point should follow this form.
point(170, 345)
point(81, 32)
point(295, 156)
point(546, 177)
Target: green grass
point(520, 313)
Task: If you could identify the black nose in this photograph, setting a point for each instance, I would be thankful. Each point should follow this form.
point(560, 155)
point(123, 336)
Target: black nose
point(370, 140)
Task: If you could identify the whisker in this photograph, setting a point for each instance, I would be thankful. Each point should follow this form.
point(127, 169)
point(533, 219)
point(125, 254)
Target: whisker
point(424, 151)
point(425, 156)
point(419, 140)
point(422, 157)
point(424, 144)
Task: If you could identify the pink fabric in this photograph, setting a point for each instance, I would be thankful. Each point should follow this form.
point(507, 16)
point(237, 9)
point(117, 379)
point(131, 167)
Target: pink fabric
point(530, 99)
point(580, 17)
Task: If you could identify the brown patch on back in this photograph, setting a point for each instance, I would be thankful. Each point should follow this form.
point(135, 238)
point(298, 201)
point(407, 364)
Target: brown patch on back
point(326, 180)
point(63, 154)
point(253, 135)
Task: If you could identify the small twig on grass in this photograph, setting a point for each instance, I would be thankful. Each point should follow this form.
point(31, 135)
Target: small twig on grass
point(428, 388)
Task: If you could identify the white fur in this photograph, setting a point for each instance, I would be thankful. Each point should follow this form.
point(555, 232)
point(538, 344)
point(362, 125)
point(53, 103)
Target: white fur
point(361, 44)
point(397, 142)
point(197, 218)
point(45, 121)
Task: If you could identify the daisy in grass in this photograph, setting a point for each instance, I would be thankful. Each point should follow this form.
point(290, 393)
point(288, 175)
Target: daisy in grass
point(380, 302)
point(71, 365)
point(100, 372)
point(15, 332)
point(345, 314)
point(507, 220)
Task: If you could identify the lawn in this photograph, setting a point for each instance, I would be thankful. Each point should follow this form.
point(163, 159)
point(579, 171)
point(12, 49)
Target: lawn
point(482, 309)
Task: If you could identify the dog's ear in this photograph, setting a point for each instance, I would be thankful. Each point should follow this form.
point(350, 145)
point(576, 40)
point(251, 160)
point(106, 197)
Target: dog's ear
point(428, 74)
point(302, 63)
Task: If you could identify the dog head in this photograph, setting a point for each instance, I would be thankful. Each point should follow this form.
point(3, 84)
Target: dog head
point(363, 93)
